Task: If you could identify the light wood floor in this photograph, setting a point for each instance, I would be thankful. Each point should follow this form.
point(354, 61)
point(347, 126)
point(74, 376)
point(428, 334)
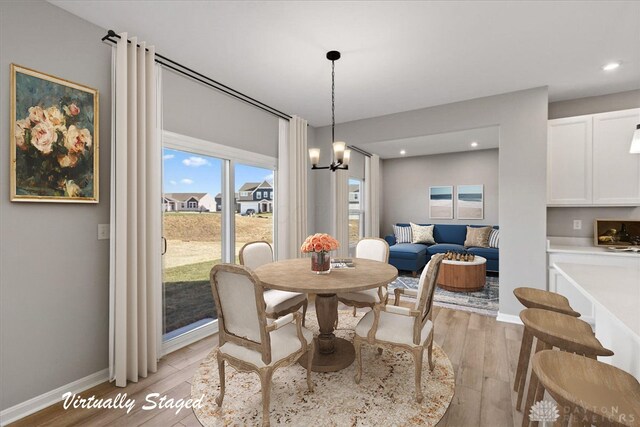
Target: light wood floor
point(484, 354)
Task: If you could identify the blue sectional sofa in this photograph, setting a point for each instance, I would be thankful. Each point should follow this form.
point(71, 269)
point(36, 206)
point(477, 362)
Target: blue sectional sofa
point(449, 237)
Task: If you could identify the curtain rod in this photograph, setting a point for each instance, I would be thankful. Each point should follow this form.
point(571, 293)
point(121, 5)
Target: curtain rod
point(208, 81)
point(358, 150)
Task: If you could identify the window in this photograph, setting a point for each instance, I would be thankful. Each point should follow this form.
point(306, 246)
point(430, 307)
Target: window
point(244, 194)
point(193, 204)
point(356, 214)
point(259, 194)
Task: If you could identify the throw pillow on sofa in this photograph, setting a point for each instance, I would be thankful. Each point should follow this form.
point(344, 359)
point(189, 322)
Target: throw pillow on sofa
point(403, 234)
point(422, 234)
point(494, 239)
point(477, 237)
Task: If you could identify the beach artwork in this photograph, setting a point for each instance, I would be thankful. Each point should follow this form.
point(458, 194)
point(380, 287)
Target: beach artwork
point(54, 139)
point(441, 202)
point(470, 202)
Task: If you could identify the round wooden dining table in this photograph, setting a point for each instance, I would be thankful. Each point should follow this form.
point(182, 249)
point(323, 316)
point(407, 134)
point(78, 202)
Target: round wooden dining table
point(295, 275)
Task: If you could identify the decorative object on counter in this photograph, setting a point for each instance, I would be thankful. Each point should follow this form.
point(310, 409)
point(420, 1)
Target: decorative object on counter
point(635, 249)
point(470, 201)
point(441, 202)
point(616, 232)
point(54, 139)
point(463, 256)
point(319, 245)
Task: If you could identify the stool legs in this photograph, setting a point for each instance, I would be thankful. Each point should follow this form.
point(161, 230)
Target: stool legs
point(540, 345)
point(523, 360)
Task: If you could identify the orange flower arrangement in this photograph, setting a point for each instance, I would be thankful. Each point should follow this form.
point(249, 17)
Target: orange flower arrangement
point(319, 242)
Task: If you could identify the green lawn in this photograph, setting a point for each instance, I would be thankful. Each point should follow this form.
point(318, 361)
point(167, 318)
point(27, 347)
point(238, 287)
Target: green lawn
point(189, 273)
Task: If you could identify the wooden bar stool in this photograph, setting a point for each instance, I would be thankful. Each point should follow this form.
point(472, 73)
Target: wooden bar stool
point(551, 330)
point(591, 392)
point(537, 298)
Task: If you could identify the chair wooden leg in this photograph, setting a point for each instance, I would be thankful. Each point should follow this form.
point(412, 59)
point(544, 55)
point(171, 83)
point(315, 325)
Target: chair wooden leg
point(533, 388)
point(525, 368)
point(304, 310)
point(357, 344)
point(525, 349)
point(265, 380)
point(430, 352)
point(417, 358)
point(220, 397)
point(414, 273)
point(311, 349)
point(354, 311)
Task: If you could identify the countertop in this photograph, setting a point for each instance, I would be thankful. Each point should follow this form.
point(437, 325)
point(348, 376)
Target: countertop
point(615, 289)
point(583, 246)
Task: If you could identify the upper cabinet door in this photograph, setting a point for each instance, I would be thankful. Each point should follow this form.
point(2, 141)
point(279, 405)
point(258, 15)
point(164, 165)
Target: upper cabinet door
point(569, 157)
point(616, 172)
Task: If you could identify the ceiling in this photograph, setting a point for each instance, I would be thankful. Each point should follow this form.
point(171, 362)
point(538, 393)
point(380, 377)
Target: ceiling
point(450, 142)
point(397, 56)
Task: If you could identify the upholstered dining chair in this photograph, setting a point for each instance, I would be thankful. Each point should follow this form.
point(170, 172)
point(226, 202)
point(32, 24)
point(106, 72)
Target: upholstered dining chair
point(377, 250)
point(248, 340)
point(278, 303)
point(410, 329)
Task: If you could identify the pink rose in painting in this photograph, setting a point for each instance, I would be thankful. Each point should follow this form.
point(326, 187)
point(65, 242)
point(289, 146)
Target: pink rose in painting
point(77, 139)
point(43, 135)
point(71, 110)
point(68, 161)
point(36, 114)
point(55, 117)
point(21, 125)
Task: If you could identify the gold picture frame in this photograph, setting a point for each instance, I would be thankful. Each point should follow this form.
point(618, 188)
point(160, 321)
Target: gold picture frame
point(54, 139)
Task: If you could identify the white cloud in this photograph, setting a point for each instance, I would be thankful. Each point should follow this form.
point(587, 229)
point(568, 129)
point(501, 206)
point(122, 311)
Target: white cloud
point(195, 161)
point(186, 181)
point(168, 156)
point(172, 182)
point(269, 178)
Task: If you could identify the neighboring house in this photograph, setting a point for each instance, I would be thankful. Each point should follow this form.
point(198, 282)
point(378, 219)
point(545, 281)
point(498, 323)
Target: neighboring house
point(255, 197)
point(218, 200)
point(188, 202)
point(354, 196)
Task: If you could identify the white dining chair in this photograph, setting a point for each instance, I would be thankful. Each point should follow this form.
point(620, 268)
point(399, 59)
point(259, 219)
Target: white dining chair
point(410, 329)
point(278, 303)
point(377, 250)
point(248, 340)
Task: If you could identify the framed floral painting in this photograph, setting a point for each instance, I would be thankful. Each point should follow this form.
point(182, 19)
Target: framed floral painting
point(54, 139)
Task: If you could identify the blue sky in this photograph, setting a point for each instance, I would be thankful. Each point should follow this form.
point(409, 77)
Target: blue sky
point(185, 172)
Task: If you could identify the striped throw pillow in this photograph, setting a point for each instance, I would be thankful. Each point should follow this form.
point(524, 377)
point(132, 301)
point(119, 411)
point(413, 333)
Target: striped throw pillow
point(403, 234)
point(494, 238)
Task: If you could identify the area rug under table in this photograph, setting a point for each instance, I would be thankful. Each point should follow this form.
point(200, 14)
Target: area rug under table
point(484, 301)
point(385, 395)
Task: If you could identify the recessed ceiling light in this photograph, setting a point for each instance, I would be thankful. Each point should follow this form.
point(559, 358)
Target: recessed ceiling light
point(611, 66)
point(403, 152)
point(474, 144)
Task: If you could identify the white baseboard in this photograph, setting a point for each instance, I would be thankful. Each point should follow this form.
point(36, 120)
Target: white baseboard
point(37, 403)
point(509, 318)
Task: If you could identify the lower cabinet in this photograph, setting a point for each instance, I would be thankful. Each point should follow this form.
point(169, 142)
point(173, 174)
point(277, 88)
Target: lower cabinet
point(558, 284)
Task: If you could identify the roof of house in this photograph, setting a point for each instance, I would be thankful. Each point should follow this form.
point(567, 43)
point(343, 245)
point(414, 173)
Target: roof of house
point(251, 187)
point(183, 197)
point(354, 188)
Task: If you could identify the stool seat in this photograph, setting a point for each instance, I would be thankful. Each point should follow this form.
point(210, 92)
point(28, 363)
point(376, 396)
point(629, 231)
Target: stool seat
point(599, 391)
point(563, 331)
point(537, 298)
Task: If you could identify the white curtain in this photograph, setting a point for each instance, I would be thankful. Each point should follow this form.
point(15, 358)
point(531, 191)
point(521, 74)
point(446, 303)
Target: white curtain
point(292, 187)
point(135, 220)
point(340, 184)
point(372, 196)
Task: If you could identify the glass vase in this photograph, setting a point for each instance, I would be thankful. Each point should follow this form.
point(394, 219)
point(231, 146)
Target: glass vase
point(320, 262)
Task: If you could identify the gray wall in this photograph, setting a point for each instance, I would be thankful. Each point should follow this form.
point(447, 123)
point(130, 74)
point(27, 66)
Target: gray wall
point(54, 273)
point(560, 220)
point(522, 117)
point(407, 180)
point(193, 109)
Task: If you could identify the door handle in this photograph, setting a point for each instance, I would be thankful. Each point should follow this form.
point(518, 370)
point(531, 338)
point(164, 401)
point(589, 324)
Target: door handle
point(164, 246)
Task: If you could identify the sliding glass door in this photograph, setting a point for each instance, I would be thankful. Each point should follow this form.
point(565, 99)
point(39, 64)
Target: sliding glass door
point(192, 238)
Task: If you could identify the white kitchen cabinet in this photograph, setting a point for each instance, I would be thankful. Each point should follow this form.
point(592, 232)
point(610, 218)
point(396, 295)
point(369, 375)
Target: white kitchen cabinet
point(569, 161)
point(616, 172)
point(588, 160)
point(559, 284)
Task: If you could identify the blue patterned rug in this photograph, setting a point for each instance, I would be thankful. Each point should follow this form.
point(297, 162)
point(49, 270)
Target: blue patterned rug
point(483, 302)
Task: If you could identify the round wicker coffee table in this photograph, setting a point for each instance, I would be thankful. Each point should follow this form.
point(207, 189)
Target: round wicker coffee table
point(463, 276)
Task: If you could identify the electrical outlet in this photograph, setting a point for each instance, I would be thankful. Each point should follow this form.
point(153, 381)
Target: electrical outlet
point(103, 231)
point(577, 224)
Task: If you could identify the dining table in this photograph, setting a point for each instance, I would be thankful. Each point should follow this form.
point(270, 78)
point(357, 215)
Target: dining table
point(331, 353)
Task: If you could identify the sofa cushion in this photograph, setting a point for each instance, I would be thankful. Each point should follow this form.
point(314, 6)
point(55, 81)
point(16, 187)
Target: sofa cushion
point(441, 248)
point(450, 233)
point(477, 237)
point(422, 234)
point(494, 239)
point(488, 253)
point(403, 234)
point(407, 250)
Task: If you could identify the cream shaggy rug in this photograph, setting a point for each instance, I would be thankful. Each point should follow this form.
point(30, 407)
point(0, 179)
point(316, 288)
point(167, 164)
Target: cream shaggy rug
point(385, 395)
